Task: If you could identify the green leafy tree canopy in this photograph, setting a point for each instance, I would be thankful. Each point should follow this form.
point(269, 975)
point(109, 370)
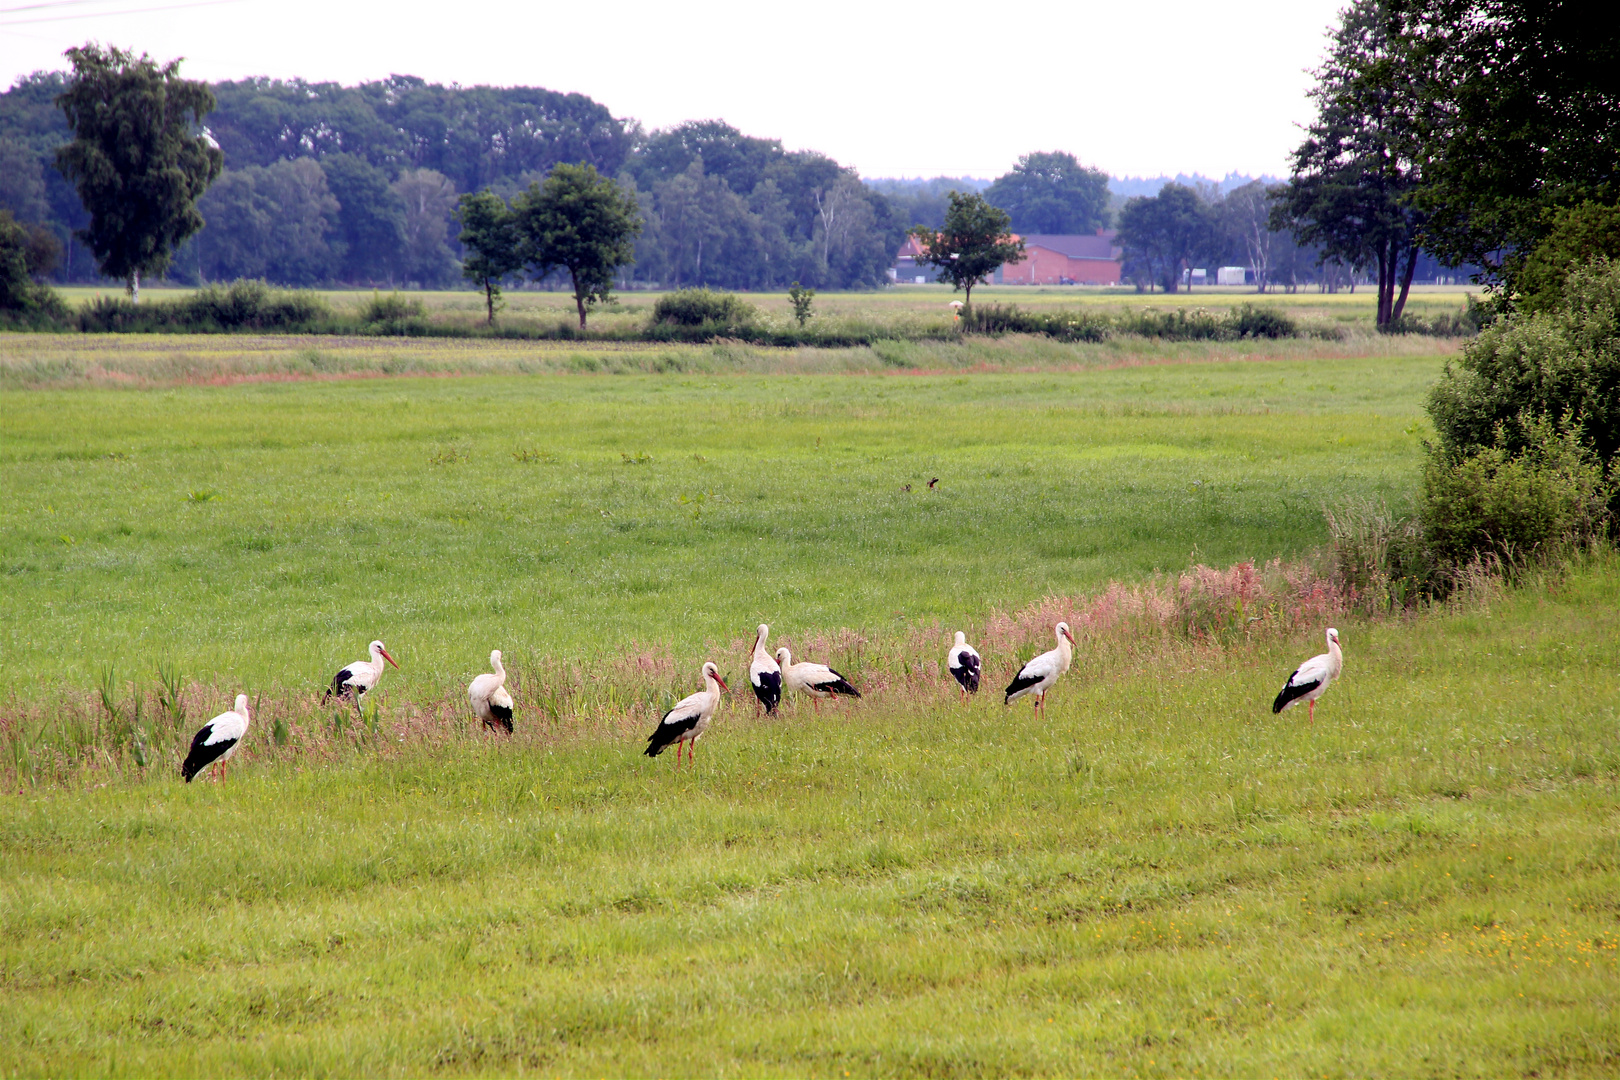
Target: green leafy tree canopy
point(137, 158)
point(1052, 193)
point(975, 240)
point(580, 221)
point(489, 240)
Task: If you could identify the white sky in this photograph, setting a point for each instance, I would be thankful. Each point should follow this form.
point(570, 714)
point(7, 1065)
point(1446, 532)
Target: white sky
point(921, 89)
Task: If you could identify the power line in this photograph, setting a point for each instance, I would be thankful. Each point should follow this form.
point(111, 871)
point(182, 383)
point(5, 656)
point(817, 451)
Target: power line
point(105, 14)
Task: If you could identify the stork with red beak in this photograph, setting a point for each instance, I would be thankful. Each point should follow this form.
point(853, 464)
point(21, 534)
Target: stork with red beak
point(359, 677)
point(1041, 674)
point(965, 665)
point(685, 724)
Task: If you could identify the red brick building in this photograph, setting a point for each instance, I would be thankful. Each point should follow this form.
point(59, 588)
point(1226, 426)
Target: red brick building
point(1048, 260)
point(1065, 260)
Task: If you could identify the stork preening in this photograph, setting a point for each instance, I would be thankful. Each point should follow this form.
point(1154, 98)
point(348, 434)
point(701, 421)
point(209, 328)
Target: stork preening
point(685, 724)
point(1310, 680)
point(217, 740)
point(817, 680)
point(764, 673)
point(489, 698)
point(964, 664)
point(359, 677)
point(1040, 674)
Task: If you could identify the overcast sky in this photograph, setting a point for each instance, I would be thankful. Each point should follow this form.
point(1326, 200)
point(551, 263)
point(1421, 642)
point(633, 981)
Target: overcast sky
point(919, 89)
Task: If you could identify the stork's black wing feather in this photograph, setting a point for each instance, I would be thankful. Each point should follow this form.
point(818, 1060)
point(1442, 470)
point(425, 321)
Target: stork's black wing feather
point(839, 685)
point(203, 753)
point(669, 731)
point(502, 715)
point(337, 687)
point(1293, 692)
point(768, 688)
point(968, 673)
point(1020, 682)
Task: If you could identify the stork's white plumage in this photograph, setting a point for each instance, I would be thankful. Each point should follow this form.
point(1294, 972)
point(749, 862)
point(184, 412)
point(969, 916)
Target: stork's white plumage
point(685, 724)
point(817, 680)
point(359, 677)
point(490, 701)
point(1040, 674)
point(764, 674)
point(964, 664)
point(217, 740)
point(1311, 679)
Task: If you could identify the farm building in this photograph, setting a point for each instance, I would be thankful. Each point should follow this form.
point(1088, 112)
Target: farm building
point(906, 270)
point(1065, 260)
point(1048, 260)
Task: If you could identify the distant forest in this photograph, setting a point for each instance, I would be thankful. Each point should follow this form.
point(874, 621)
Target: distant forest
point(327, 184)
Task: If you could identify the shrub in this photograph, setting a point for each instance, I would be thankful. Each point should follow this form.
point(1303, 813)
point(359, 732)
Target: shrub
point(23, 301)
point(1578, 235)
point(251, 305)
point(1066, 325)
point(241, 305)
point(1515, 505)
point(1380, 560)
point(392, 308)
point(702, 307)
point(1250, 321)
point(1554, 364)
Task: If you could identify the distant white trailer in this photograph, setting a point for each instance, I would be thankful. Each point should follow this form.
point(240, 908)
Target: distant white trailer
point(1230, 275)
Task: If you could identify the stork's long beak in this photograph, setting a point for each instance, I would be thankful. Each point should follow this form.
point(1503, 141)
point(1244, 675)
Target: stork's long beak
point(722, 683)
point(388, 658)
point(1070, 636)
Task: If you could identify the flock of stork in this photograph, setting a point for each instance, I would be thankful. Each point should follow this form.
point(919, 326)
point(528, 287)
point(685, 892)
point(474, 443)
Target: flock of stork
point(769, 676)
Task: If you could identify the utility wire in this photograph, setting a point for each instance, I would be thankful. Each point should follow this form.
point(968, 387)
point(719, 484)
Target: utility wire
point(98, 14)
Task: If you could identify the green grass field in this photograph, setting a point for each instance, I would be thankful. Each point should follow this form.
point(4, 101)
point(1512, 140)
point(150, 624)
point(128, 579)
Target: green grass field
point(263, 533)
point(904, 309)
point(1158, 878)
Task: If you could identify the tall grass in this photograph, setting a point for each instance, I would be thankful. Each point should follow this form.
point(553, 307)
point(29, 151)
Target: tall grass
point(1157, 878)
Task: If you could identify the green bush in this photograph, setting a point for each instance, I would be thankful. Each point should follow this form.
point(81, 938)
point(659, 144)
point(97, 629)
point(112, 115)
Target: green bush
point(1382, 560)
point(1554, 364)
point(241, 305)
point(1515, 505)
point(392, 308)
point(702, 307)
point(24, 302)
point(1578, 235)
point(1066, 325)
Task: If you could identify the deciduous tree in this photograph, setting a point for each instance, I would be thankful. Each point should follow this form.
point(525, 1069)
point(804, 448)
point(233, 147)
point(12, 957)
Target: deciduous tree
point(1166, 233)
point(1360, 164)
point(1052, 193)
point(975, 240)
point(580, 221)
point(1520, 117)
point(137, 158)
point(489, 238)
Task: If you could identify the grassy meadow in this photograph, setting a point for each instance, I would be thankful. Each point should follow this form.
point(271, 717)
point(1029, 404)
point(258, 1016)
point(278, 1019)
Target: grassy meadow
point(904, 310)
point(1158, 878)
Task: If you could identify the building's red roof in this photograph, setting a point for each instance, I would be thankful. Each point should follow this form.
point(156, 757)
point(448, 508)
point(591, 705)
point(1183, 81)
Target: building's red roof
point(1099, 245)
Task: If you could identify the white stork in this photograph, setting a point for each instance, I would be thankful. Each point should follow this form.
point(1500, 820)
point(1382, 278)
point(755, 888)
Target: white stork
point(689, 719)
point(217, 740)
point(1310, 680)
point(1041, 674)
point(359, 677)
point(964, 664)
point(764, 674)
point(490, 701)
point(817, 680)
